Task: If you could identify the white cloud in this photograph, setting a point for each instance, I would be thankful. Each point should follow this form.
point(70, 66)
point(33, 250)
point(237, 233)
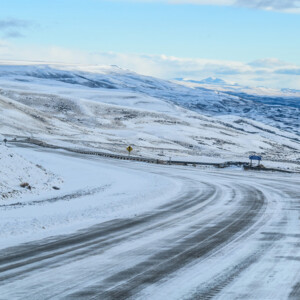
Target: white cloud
point(286, 6)
point(203, 2)
point(269, 72)
point(290, 6)
point(200, 2)
point(12, 28)
point(13, 23)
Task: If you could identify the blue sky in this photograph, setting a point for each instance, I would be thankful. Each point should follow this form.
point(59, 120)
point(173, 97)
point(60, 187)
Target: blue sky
point(235, 40)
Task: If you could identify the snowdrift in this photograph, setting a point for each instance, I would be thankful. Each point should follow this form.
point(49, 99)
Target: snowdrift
point(17, 175)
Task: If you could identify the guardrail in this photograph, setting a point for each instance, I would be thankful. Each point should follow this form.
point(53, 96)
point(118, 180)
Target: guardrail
point(245, 165)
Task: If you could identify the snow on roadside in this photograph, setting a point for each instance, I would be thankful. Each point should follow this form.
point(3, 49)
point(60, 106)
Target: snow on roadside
point(16, 171)
point(95, 190)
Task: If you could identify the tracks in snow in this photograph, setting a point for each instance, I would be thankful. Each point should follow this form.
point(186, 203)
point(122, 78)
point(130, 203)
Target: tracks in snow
point(120, 259)
point(188, 239)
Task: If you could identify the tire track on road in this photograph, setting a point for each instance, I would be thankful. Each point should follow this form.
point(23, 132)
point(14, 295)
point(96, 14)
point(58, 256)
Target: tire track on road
point(102, 236)
point(199, 244)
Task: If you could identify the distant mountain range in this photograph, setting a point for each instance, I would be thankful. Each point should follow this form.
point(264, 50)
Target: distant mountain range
point(224, 86)
point(209, 80)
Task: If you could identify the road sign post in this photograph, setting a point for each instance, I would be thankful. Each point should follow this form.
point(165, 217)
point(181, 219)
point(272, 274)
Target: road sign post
point(129, 149)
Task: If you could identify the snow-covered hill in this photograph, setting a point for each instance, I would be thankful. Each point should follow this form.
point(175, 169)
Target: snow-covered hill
point(278, 109)
point(108, 108)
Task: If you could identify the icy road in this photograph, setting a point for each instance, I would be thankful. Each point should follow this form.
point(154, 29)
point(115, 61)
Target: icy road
point(166, 233)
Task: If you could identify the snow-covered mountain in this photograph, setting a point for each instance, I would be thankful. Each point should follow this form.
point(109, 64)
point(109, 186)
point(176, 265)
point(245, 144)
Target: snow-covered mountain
point(108, 108)
point(209, 80)
point(217, 84)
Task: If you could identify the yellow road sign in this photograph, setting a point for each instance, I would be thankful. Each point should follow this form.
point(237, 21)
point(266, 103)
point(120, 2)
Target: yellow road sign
point(129, 149)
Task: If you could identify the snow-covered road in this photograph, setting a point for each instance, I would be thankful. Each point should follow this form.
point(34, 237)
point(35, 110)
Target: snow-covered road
point(179, 233)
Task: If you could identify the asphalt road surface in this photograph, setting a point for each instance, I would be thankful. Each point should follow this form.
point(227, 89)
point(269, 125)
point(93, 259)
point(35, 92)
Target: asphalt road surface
point(226, 235)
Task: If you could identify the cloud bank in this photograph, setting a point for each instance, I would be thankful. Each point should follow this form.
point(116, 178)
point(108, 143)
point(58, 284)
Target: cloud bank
point(269, 72)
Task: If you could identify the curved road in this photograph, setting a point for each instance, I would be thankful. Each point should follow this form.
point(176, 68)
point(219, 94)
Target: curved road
point(226, 235)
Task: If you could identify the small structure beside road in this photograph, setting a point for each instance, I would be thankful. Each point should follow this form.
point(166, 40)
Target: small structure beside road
point(255, 157)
